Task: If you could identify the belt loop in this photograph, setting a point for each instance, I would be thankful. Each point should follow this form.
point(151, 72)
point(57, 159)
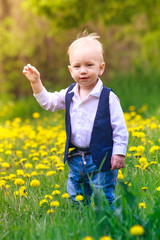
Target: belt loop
point(83, 158)
point(80, 169)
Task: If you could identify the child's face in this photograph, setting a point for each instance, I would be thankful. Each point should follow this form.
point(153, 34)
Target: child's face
point(86, 65)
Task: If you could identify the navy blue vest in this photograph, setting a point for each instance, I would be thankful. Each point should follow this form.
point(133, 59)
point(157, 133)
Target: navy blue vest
point(101, 143)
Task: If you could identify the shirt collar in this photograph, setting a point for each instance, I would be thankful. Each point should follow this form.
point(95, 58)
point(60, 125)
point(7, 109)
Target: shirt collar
point(96, 91)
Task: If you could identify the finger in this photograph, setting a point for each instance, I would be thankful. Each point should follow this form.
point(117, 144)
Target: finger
point(29, 65)
point(25, 68)
point(113, 167)
point(32, 69)
point(24, 72)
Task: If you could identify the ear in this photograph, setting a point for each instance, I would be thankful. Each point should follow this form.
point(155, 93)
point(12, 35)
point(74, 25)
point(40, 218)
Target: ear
point(101, 68)
point(70, 69)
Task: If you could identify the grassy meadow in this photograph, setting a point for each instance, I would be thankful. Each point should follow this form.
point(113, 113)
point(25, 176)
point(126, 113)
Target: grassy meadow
point(33, 196)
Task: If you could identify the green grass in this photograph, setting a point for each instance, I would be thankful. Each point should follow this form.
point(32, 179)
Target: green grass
point(26, 137)
point(137, 89)
point(24, 218)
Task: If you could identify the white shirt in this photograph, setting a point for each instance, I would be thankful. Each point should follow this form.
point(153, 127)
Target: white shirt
point(82, 115)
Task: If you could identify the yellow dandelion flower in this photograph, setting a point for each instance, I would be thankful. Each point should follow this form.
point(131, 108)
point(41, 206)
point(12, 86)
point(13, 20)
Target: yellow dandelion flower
point(43, 201)
point(22, 160)
point(154, 148)
point(128, 154)
point(43, 153)
point(35, 115)
point(158, 189)
point(143, 160)
point(19, 181)
point(105, 238)
point(7, 186)
point(79, 198)
point(34, 183)
point(143, 140)
point(28, 165)
point(145, 166)
point(137, 155)
point(45, 161)
point(34, 173)
point(53, 150)
point(153, 126)
point(142, 109)
point(87, 238)
point(141, 135)
point(49, 196)
point(16, 194)
point(41, 166)
point(60, 168)
point(12, 176)
point(8, 152)
point(27, 175)
point(50, 211)
point(140, 149)
point(136, 230)
point(23, 191)
point(19, 153)
point(120, 176)
point(142, 205)
point(56, 192)
point(132, 108)
point(132, 149)
point(5, 165)
point(65, 195)
point(2, 183)
point(60, 164)
point(57, 186)
point(54, 204)
point(50, 173)
point(35, 158)
point(20, 172)
point(144, 188)
point(43, 147)
point(137, 166)
point(153, 162)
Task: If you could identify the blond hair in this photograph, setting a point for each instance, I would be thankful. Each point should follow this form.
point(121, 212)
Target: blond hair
point(85, 38)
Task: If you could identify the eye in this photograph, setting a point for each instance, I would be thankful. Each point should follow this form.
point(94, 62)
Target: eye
point(76, 66)
point(89, 64)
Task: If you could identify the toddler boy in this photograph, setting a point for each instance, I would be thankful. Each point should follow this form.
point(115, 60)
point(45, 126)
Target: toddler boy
point(95, 124)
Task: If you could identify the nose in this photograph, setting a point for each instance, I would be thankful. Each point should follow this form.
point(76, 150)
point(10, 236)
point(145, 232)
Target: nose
point(83, 70)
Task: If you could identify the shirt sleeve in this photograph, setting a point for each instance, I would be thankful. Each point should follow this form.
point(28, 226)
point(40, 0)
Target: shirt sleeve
point(120, 132)
point(51, 101)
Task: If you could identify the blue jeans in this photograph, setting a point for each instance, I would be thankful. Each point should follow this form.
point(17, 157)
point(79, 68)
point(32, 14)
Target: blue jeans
point(82, 179)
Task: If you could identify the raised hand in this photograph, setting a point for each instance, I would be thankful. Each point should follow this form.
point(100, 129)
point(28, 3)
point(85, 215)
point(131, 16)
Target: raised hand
point(34, 77)
point(31, 73)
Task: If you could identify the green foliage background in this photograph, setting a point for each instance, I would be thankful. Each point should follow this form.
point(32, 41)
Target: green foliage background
point(39, 32)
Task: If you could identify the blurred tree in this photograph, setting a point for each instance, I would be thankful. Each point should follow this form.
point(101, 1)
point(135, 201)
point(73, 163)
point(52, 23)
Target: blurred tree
point(138, 19)
point(5, 8)
point(40, 32)
point(74, 13)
